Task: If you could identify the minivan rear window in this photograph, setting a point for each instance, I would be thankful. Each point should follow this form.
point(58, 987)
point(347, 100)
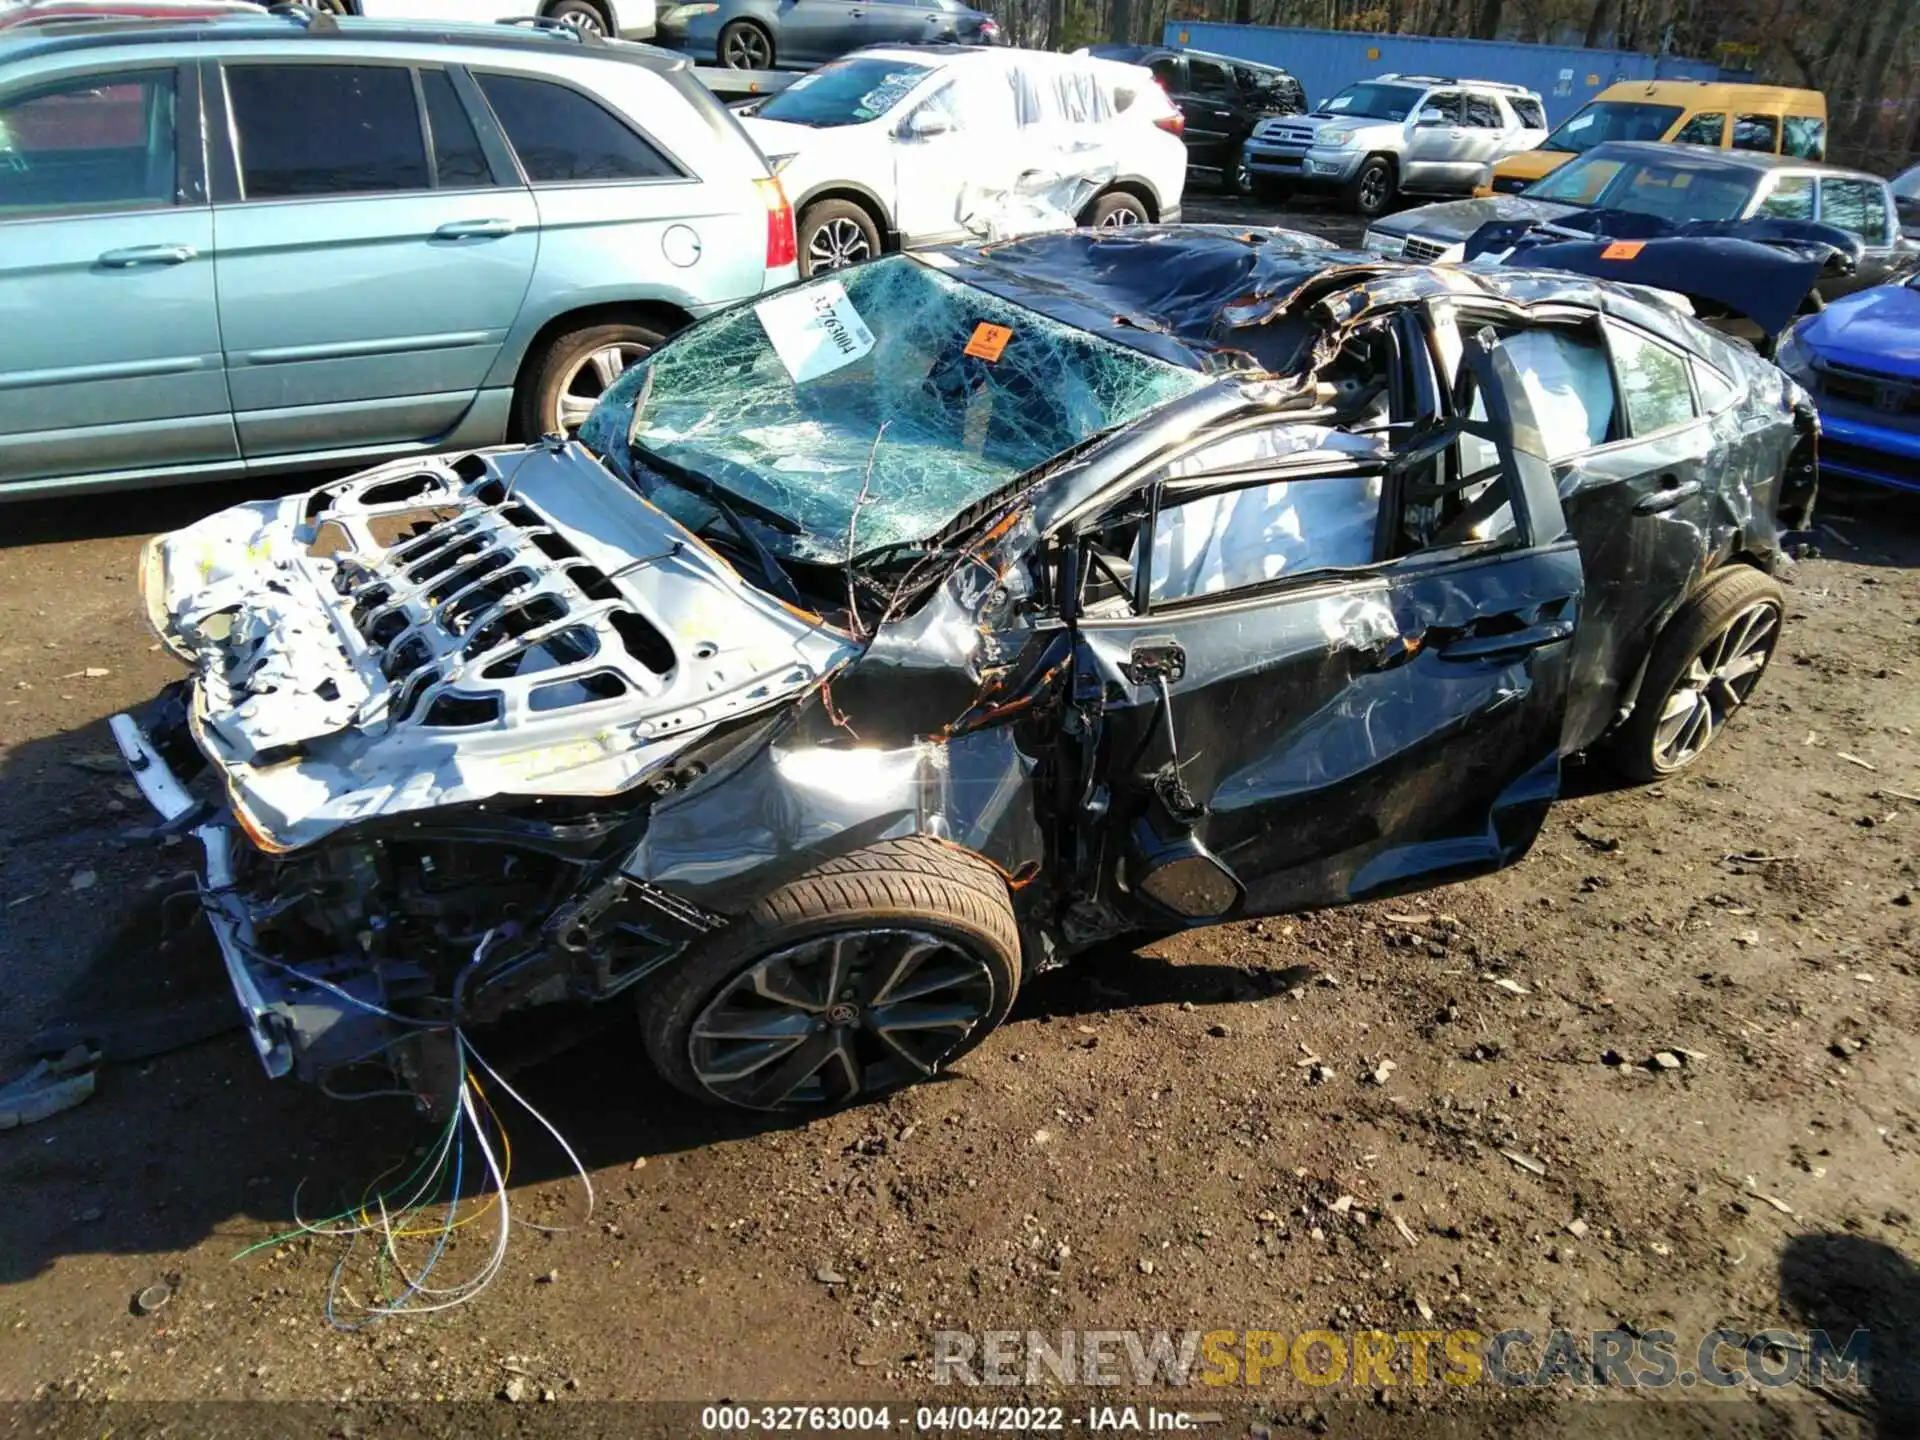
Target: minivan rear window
point(1805, 138)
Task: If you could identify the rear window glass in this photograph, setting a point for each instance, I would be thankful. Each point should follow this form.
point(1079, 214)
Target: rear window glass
point(560, 134)
point(326, 130)
point(1702, 130)
point(1805, 137)
point(458, 161)
point(1757, 132)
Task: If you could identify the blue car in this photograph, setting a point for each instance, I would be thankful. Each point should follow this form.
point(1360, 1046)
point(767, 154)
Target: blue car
point(1860, 359)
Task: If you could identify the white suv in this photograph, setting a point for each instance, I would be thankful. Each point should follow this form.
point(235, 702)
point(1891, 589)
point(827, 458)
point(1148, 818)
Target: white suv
point(1418, 134)
point(888, 147)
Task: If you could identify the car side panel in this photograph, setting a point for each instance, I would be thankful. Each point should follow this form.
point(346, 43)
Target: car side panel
point(690, 244)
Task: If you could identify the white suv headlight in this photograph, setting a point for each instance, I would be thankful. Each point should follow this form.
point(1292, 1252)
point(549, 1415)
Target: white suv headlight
point(1388, 247)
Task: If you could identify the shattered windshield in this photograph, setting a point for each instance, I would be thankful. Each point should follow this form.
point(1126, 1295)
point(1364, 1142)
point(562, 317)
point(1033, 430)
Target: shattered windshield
point(867, 408)
point(847, 92)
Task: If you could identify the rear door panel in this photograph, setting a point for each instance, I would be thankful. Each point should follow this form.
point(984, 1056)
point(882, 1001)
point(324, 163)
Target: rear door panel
point(1373, 732)
point(361, 319)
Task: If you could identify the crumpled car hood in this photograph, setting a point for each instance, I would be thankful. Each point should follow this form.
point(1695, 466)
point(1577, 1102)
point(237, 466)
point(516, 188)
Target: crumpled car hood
point(440, 632)
point(1457, 219)
point(1877, 329)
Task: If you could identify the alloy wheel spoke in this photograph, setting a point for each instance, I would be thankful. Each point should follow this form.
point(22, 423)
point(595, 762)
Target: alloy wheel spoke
point(1680, 709)
point(774, 980)
point(608, 364)
point(918, 1015)
point(774, 1083)
point(755, 1025)
point(744, 1060)
point(574, 410)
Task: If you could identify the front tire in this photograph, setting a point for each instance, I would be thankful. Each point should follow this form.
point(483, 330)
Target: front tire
point(577, 367)
point(1237, 178)
point(867, 973)
point(1705, 666)
point(1115, 210)
point(1371, 192)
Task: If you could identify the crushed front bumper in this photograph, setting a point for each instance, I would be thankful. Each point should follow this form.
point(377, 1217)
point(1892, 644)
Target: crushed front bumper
point(301, 1023)
point(227, 914)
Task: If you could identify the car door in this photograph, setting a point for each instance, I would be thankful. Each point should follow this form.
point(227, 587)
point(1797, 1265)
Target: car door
point(1209, 105)
point(1325, 717)
point(111, 363)
point(899, 22)
point(814, 31)
point(1861, 207)
point(1621, 424)
point(995, 126)
point(366, 282)
point(1439, 143)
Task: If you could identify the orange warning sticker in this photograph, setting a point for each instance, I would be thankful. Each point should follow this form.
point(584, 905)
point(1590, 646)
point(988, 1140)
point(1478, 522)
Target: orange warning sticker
point(1623, 249)
point(988, 341)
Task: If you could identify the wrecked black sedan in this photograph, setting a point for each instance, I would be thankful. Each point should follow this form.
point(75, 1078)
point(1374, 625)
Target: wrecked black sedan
point(922, 625)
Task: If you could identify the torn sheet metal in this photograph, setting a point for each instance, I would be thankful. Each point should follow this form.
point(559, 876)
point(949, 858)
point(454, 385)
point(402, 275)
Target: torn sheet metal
point(1762, 270)
point(434, 633)
point(1034, 201)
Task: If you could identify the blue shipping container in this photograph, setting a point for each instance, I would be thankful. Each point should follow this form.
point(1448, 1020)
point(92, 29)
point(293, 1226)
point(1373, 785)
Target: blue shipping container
point(1327, 61)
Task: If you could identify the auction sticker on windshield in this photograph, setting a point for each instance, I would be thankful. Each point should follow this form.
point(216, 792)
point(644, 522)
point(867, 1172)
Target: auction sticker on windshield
point(815, 330)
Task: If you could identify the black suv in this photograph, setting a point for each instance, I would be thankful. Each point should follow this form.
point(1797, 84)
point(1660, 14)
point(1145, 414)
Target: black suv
point(1221, 100)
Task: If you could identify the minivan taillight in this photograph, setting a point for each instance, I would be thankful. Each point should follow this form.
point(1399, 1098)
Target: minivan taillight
point(1173, 124)
point(782, 248)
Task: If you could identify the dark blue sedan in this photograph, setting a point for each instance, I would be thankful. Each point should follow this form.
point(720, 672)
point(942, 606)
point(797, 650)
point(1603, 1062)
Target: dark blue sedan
point(765, 34)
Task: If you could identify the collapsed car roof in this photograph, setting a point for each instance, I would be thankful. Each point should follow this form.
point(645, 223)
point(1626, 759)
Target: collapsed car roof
point(1221, 300)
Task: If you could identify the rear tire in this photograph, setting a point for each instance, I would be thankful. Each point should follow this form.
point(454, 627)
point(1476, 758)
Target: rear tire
point(1704, 667)
point(788, 1007)
point(1115, 210)
point(744, 45)
point(560, 386)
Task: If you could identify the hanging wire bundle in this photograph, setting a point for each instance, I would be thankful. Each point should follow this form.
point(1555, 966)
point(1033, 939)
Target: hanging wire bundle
point(412, 1222)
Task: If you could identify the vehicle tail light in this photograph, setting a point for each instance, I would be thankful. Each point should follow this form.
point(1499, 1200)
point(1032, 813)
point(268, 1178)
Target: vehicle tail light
point(782, 247)
point(1173, 124)
point(989, 31)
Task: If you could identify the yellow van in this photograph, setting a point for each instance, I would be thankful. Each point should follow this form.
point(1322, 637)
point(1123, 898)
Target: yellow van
point(1768, 118)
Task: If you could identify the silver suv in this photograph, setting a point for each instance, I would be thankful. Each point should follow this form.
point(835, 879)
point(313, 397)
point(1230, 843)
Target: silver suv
point(1418, 134)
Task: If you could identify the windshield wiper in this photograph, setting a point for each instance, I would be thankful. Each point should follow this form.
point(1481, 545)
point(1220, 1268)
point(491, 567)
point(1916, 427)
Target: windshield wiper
point(732, 507)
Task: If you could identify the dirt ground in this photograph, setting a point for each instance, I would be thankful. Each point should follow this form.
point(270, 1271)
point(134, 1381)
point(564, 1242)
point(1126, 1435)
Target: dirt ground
point(1205, 1134)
